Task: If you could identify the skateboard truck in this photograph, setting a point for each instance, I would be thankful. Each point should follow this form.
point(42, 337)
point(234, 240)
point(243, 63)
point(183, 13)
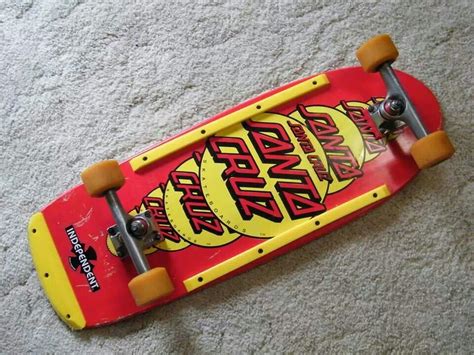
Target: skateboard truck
point(376, 55)
point(141, 228)
point(131, 234)
point(396, 107)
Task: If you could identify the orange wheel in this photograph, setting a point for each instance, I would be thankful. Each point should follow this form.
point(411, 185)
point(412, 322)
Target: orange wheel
point(150, 286)
point(376, 51)
point(101, 177)
point(432, 149)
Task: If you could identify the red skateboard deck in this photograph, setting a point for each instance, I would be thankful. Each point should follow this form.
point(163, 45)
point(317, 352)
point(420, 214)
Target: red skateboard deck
point(241, 188)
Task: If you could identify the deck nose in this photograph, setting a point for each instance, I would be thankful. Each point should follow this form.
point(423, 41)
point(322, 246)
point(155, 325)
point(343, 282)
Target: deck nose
point(51, 273)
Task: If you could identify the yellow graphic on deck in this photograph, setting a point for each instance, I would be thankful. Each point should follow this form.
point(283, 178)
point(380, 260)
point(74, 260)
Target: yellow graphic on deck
point(188, 211)
point(265, 174)
point(340, 139)
point(354, 110)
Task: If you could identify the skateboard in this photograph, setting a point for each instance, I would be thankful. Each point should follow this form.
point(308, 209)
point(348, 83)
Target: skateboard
point(237, 190)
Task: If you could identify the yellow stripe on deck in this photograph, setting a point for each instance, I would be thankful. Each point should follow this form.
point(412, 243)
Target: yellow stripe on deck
point(211, 128)
point(51, 273)
point(286, 238)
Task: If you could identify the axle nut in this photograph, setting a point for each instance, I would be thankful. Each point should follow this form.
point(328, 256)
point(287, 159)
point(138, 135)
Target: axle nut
point(138, 227)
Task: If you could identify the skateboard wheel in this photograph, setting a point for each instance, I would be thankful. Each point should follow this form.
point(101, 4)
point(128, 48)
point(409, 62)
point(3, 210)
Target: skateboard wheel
point(150, 286)
point(376, 51)
point(432, 149)
point(101, 177)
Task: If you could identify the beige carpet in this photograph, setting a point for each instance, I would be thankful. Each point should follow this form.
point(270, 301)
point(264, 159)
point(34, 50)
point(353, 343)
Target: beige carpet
point(81, 81)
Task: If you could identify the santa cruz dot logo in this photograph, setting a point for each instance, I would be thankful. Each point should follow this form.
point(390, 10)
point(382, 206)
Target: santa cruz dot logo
point(262, 176)
point(265, 175)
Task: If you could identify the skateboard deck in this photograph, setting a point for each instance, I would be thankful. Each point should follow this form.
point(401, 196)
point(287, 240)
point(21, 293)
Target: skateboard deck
point(233, 192)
